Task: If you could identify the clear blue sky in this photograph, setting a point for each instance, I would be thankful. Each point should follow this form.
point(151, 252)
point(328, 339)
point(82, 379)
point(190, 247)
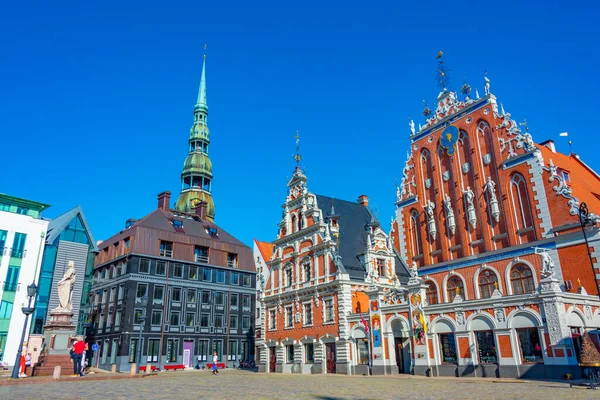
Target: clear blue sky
point(97, 97)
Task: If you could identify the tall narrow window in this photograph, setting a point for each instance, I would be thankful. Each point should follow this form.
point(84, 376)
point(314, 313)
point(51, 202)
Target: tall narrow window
point(415, 232)
point(487, 283)
point(521, 279)
point(454, 286)
point(381, 267)
point(431, 293)
point(520, 202)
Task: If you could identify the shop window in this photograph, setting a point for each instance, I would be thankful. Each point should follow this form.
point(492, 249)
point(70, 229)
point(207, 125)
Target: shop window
point(486, 347)
point(309, 353)
point(363, 351)
point(448, 346)
point(531, 348)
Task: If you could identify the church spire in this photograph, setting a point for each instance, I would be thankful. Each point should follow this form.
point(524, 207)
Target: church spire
point(196, 177)
point(201, 102)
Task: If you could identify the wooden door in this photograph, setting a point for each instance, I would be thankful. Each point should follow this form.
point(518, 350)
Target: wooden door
point(399, 354)
point(272, 359)
point(330, 357)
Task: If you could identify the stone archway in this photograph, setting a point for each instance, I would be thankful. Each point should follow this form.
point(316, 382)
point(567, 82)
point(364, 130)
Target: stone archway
point(402, 347)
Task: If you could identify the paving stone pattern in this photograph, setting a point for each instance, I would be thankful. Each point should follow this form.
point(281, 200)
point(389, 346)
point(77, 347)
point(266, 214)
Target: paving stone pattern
point(248, 385)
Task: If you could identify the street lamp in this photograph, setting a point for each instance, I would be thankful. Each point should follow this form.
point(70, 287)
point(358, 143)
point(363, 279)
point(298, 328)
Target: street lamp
point(31, 291)
point(586, 219)
point(142, 318)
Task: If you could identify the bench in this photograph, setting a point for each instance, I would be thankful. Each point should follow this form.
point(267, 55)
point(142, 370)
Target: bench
point(153, 368)
point(174, 367)
point(219, 366)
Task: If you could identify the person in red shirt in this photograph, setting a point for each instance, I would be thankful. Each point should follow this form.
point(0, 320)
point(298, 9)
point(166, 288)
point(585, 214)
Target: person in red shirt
point(78, 348)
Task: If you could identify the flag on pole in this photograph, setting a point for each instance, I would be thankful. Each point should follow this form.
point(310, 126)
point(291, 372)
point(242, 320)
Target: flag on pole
point(365, 324)
point(564, 134)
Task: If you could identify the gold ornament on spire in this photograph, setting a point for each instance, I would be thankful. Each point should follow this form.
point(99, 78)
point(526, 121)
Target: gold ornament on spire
point(297, 156)
point(204, 50)
point(579, 282)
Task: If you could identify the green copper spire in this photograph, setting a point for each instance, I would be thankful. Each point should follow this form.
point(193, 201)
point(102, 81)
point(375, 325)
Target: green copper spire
point(202, 91)
point(196, 177)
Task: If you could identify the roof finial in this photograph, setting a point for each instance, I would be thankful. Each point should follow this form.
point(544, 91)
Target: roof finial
point(297, 156)
point(204, 50)
point(442, 73)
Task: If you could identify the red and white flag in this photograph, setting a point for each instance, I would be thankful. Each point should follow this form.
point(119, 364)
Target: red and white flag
point(365, 324)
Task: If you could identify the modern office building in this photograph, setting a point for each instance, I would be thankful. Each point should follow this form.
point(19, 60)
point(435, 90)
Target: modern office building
point(69, 239)
point(22, 232)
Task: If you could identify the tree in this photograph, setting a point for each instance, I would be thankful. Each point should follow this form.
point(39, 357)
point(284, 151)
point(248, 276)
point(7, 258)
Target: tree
point(589, 352)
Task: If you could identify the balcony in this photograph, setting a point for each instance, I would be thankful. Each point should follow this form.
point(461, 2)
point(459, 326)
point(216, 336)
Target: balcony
point(166, 253)
point(232, 264)
point(18, 253)
point(10, 286)
point(201, 258)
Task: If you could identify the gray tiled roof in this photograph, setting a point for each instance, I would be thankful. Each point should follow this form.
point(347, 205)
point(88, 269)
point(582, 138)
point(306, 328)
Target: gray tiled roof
point(353, 220)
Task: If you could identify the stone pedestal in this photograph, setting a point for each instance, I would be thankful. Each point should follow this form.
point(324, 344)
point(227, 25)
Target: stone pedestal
point(58, 335)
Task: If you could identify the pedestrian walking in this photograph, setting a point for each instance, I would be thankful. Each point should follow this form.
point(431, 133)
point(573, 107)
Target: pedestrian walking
point(27, 362)
point(78, 349)
point(215, 370)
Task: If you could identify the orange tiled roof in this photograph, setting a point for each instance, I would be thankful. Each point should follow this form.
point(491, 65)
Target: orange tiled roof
point(585, 183)
point(266, 249)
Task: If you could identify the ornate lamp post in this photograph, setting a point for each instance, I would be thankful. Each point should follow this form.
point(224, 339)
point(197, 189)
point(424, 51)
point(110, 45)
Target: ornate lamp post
point(31, 291)
point(142, 318)
point(586, 219)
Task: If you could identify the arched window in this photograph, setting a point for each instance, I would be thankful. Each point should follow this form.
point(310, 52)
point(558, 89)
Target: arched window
point(520, 202)
point(483, 128)
point(300, 221)
point(431, 293)
point(454, 286)
point(415, 231)
point(294, 226)
point(521, 279)
point(487, 283)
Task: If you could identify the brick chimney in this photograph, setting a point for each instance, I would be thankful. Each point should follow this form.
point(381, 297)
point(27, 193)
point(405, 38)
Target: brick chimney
point(164, 200)
point(200, 209)
point(363, 199)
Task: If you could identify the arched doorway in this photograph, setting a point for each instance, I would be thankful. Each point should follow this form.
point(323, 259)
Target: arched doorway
point(401, 345)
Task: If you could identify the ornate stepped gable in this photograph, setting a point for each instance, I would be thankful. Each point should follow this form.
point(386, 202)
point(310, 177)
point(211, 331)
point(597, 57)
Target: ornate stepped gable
point(475, 182)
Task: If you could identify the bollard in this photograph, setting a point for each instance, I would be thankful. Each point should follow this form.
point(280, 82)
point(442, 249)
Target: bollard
point(148, 368)
point(113, 368)
point(133, 369)
point(56, 374)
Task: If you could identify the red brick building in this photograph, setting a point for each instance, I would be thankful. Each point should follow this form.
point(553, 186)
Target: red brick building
point(490, 220)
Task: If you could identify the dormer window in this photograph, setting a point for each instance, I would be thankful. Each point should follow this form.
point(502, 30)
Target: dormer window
point(177, 223)
point(232, 260)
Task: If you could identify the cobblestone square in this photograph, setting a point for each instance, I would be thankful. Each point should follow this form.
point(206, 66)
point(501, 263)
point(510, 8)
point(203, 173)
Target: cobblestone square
point(248, 385)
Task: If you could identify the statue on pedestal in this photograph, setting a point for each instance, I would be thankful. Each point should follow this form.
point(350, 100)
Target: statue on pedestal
point(65, 289)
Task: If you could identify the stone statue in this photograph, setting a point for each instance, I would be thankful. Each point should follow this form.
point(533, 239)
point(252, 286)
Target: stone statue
point(490, 187)
point(411, 124)
point(65, 288)
point(413, 270)
point(547, 265)
point(486, 86)
point(469, 195)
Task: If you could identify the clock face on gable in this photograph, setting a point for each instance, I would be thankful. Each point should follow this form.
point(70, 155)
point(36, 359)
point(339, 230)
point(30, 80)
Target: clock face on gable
point(449, 138)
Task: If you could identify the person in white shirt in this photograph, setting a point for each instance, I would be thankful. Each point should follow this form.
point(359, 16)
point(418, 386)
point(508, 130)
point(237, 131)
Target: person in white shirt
point(215, 370)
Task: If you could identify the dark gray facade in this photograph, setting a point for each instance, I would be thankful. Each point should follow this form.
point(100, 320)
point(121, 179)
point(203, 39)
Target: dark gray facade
point(193, 309)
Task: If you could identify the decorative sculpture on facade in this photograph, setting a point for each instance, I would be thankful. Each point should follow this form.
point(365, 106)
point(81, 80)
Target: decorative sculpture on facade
point(547, 265)
point(450, 220)
point(486, 85)
point(562, 189)
point(65, 289)
point(471, 215)
point(429, 207)
point(490, 188)
point(411, 124)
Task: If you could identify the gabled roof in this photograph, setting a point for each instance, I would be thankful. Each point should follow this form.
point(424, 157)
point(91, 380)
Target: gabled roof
point(58, 224)
point(353, 220)
point(266, 250)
